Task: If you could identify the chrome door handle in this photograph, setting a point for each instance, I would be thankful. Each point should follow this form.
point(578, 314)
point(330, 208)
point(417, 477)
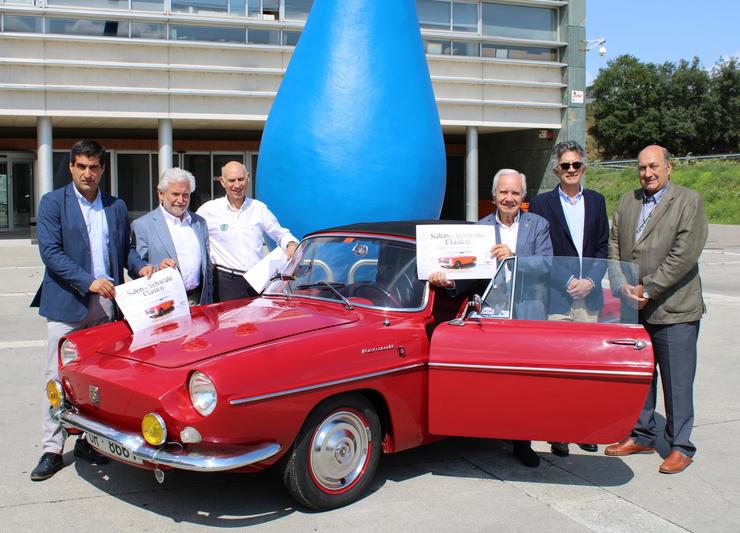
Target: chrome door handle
point(639, 345)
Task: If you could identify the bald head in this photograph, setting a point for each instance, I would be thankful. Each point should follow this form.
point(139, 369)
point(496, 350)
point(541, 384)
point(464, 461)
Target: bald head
point(654, 166)
point(234, 179)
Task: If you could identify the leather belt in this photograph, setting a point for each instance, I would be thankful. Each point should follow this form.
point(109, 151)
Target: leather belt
point(231, 271)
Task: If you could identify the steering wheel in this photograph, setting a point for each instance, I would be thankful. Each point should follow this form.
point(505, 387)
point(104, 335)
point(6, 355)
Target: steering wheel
point(402, 286)
point(388, 300)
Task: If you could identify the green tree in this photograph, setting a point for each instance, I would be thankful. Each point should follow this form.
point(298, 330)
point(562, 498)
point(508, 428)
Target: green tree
point(683, 107)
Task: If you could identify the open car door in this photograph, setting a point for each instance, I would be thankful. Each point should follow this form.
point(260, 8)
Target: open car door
point(505, 371)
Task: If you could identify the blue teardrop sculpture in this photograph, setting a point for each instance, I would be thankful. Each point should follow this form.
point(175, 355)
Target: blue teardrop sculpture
point(354, 134)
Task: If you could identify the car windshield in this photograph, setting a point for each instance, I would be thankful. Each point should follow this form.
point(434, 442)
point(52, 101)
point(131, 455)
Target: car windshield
point(364, 271)
point(560, 289)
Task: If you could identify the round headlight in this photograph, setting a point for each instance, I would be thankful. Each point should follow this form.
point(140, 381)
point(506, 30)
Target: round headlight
point(54, 392)
point(202, 393)
point(153, 429)
point(68, 352)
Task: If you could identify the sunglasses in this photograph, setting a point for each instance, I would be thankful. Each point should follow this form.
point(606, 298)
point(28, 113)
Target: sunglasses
point(575, 164)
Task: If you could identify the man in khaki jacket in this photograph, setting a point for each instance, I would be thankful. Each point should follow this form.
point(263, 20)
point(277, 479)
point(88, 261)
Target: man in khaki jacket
point(662, 228)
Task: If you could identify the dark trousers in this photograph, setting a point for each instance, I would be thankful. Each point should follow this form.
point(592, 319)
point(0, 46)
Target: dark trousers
point(230, 286)
point(674, 346)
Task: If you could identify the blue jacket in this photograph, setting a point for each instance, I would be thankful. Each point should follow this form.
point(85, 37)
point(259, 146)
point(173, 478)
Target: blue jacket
point(64, 246)
point(595, 243)
point(153, 242)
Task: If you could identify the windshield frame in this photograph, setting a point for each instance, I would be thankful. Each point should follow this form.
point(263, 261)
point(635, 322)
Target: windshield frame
point(357, 235)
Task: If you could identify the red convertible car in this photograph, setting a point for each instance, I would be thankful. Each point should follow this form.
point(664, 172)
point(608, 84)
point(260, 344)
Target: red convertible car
point(345, 357)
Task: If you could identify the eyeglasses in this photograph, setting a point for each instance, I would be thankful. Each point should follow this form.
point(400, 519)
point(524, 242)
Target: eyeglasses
point(575, 164)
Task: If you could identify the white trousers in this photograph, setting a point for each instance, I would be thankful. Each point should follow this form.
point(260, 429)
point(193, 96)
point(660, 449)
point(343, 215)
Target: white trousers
point(99, 311)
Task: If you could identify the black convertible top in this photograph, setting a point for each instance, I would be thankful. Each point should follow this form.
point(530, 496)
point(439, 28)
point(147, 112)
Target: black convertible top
point(396, 228)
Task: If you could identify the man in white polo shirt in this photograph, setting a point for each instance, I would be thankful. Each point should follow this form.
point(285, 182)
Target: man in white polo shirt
point(236, 225)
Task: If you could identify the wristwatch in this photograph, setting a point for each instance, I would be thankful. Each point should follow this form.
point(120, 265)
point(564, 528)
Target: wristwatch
point(645, 294)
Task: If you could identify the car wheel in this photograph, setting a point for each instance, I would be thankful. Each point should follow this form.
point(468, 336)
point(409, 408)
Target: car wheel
point(335, 455)
point(458, 264)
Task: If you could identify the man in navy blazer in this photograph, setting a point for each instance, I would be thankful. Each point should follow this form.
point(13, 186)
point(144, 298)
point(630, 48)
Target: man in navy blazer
point(579, 228)
point(172, 236)
point(521, 234)
point(83, 236)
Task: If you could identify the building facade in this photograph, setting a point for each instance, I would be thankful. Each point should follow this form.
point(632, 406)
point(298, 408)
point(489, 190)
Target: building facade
point(189, 83)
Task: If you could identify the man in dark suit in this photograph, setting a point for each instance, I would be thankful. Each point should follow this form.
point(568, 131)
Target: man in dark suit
point(579, 228)
point(172, 236)
point(662, 228)
point(83, 236)
point(517, 233)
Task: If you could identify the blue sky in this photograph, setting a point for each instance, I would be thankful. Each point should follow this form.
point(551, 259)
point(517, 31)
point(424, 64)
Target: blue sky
point(656, 31)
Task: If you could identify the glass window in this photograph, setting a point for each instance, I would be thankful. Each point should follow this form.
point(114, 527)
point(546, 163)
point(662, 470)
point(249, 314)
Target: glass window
point(521, 22)
point(148, 5)
point(200, 6)
point(99, 28)
point(437, 47)
point(518, 52)
point(199, 165)
point(265, 9)
point(135, 186)
point(105, 4)
point(290, 38)
point(464, 17)
point(464, 49)
point(148, 30)
point(25, 2)
point(219, 34)
point(297, 9)
point(434, 14)
point(257, 36)
point(15, 23)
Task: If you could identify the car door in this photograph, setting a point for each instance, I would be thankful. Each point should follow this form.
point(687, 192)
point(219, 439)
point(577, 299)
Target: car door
point(508, 372)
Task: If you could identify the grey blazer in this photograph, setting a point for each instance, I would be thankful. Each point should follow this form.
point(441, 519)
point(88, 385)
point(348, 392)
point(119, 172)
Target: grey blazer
point(152, 240)
point(667, 253)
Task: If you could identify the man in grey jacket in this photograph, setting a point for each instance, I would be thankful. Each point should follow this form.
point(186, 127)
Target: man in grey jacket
point(662, 228)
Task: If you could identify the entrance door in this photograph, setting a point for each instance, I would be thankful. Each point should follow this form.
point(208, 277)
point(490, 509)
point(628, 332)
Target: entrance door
point(16, 192)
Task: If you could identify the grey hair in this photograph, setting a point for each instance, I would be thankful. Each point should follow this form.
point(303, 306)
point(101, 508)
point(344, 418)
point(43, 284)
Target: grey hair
point(175, 175)
point(505, 171)
point(565, 147)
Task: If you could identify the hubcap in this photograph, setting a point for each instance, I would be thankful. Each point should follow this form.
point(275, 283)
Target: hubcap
point(339, 450)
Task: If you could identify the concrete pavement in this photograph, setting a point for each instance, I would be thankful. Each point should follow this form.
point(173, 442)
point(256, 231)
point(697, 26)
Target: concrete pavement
point(452, 485)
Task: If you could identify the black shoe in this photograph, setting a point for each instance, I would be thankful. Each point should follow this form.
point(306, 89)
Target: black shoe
point(589, 447)
point(49, 464)
point(560, 449)
point(526, 456)
point(83, 450)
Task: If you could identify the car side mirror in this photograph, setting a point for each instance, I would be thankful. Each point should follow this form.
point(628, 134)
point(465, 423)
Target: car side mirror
point(475, 303)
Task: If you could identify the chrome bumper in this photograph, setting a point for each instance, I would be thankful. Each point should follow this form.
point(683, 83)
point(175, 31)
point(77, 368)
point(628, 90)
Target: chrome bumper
point(215, 460)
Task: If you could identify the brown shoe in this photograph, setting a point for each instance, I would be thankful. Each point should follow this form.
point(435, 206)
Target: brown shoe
point(675, 462)
point(627, 447)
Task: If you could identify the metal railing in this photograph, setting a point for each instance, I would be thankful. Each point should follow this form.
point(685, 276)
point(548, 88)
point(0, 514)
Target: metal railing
point(629, 163)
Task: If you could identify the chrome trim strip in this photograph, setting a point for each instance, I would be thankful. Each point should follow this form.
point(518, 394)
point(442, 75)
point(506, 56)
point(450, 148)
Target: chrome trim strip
point(230, 458)
point(463, 366)
point(241, 401)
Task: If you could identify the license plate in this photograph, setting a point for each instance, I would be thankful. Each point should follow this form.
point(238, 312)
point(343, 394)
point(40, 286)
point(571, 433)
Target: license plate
point(113, 448)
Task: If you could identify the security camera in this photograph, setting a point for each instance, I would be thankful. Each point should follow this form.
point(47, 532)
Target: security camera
point(602, 51)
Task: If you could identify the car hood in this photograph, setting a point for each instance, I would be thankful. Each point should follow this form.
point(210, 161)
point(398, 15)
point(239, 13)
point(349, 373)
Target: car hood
point(221, 328)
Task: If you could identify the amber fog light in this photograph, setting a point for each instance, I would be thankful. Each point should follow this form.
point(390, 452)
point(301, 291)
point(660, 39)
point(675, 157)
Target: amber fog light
point(153, 429)
point(54, 392)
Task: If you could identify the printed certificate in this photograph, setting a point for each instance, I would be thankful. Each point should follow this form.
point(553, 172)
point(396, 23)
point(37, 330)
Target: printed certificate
point(148, 303)
point(462, 251)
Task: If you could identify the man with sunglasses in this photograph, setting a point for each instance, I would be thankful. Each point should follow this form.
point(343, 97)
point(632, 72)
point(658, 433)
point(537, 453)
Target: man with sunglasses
point(579, 228)
point(83, 236)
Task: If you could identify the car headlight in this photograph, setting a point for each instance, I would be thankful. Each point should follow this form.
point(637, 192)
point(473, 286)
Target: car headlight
point(54, 392)
point(153, 429)
point(202, 393)
point(68, 352)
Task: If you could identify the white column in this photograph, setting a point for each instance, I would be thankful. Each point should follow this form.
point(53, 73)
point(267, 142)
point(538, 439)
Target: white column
point(471, 173)
point(44, 155)
point(165, 145)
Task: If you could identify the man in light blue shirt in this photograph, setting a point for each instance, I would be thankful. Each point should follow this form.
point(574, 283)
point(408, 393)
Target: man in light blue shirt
point(83, 236)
